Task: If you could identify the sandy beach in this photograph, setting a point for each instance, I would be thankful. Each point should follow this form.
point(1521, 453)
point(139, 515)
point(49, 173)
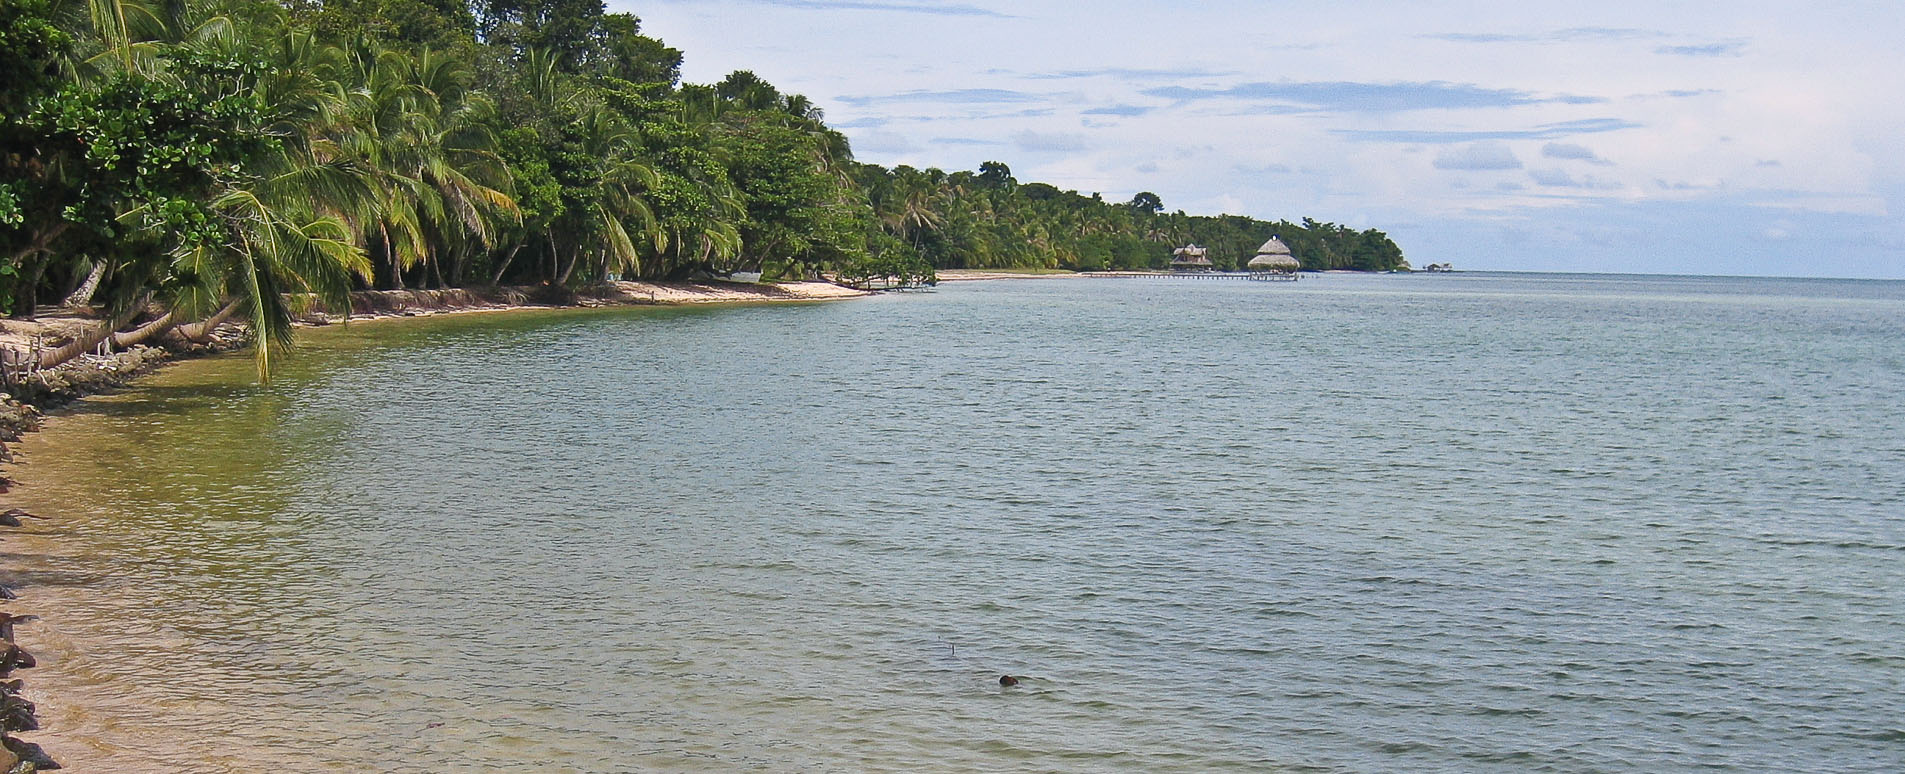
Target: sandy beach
point(48, 330)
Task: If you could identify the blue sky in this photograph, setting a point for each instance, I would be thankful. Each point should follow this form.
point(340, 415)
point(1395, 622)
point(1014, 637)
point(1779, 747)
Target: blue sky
point(1697, 137)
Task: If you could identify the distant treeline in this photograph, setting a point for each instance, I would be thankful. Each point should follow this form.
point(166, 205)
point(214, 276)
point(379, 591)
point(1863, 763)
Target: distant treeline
point(210, 157)
point(989, 220)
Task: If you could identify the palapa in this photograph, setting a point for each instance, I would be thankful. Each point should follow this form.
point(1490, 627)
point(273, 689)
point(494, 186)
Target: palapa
point(1274, 255)
point(1274, 247)
point(1274, 262)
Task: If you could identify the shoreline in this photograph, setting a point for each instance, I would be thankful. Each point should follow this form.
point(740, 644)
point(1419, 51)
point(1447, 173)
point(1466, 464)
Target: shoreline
point(60, 387)
point(91, 374)
point(384, 304)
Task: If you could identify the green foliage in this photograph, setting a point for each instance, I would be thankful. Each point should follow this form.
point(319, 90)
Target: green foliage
point(10, 214)
point(29, 44)
point(624, 53)
point(435, 23)
point(212, 152)
point(1146, 203)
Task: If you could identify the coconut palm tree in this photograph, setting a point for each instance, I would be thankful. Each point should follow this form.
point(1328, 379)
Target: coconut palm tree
point(427, 137)
point(272, 226)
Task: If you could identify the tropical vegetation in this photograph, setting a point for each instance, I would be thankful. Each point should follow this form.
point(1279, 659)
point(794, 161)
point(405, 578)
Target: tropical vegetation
point(177, 163)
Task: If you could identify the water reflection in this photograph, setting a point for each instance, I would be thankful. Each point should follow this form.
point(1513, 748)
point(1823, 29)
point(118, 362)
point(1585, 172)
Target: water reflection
point(1444, 523)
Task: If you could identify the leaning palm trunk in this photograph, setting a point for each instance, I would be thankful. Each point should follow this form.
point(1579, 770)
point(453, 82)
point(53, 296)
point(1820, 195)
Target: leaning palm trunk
point(108, 332)
point(80, 346)
point(503, 266)
point(83, 295)
point(196, 332)
point(145, 332)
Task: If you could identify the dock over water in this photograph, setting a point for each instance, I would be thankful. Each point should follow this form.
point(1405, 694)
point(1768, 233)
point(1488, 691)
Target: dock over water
point(1259, 276)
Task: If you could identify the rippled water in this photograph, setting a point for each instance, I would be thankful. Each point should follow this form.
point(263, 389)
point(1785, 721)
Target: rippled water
point(1458, 523)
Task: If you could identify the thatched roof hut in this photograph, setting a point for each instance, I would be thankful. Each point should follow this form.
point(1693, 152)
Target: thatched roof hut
point(1190, 258)
point(1265, 262)
point(1274, 255)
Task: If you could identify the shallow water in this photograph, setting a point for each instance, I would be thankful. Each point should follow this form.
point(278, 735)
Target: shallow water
point(1398, 523)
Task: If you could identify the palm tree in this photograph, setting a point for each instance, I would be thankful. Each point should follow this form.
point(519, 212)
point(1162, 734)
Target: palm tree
point(603, 232)
point(276, 224)
point(426, 136)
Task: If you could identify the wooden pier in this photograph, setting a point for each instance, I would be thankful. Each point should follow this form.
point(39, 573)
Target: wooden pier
point(1258, 276)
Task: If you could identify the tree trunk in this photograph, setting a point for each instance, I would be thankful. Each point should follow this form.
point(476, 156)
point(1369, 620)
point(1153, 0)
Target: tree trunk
point(458, 263)
point(80, 346)
point(197, 332)
point(140, 334)
point(83, 295)
point(396, 265)
point(504, 268)
point(39, 242)
point(29, 299)
point(562, 277)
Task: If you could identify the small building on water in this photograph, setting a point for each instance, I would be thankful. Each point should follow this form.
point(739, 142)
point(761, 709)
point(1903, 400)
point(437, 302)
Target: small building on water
point(1190, 258)
point(1273, 261)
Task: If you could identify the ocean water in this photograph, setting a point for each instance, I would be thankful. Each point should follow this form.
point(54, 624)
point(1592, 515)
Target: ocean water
point(1491, 523)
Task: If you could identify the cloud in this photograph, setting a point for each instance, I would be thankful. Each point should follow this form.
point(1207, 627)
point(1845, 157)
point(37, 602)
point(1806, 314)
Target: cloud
point(1479, 156)
point(1351, 96)
point(1572, 152)
point(1729, 48)
point(1058, 142)
point(956, 96)
point(1128, 111)
point(1543, 132)
point(883, 142)
point(1556, 178)
point(868, 5)
point(1031, 113)
point(1263, 171)
point(1569, 35)
point(1677, 185)
point(1768, 163)
point(1130, 74)
point(869, 122)
point(963, 141)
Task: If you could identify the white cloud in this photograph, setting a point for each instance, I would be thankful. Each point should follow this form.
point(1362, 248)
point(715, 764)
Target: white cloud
point(1714, 112)
point(1048, 142)
point(1478, 156)
point(1570, 151)
point(1557, 178)
point(882, 143)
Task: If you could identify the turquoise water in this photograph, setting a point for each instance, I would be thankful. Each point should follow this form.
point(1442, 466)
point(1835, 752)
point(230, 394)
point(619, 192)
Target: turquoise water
point(1394, 523)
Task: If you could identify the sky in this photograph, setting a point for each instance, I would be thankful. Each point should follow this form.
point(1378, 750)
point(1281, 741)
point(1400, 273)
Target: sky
point(1734, 138)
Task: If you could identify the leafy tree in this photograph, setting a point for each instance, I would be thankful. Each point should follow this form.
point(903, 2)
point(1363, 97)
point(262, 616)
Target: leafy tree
point(571, 29)
point(184, 161)
point(995, 174)
point(440, 24)
point(623, 52)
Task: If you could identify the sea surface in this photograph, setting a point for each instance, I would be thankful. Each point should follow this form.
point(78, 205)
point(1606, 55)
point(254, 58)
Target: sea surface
point(1470, 522)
